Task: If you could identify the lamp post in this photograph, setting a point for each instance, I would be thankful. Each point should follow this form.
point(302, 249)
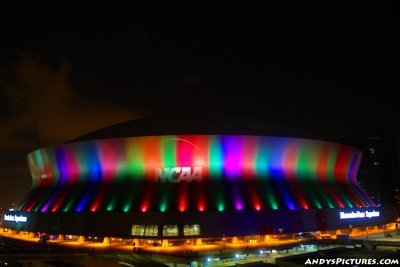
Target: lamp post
point(280, 235)
point(223, 241)
point(351, 229)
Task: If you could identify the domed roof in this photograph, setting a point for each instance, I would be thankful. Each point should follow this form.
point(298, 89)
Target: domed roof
point(189, 124)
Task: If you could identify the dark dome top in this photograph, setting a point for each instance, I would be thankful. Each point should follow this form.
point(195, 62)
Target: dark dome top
point(188, 124)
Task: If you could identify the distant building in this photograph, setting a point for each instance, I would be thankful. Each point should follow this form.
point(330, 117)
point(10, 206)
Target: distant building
point(379, 168)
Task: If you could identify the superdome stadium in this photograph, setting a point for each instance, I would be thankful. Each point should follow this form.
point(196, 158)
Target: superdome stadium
point(209, 177)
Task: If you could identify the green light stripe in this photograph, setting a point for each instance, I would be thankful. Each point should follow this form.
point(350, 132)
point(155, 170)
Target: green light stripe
point(168, 151)
point(134, 167)
point(271, 199)
point(83, 162)
point(215, 155)
point(262, 162)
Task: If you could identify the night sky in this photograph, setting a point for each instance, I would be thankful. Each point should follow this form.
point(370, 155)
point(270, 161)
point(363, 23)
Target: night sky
point(67, 69)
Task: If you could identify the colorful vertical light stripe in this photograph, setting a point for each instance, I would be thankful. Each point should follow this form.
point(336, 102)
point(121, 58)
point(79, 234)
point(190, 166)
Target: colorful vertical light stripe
point(194, 173)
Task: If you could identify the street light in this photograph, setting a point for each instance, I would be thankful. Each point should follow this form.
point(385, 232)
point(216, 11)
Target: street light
point(280, 235)
point(223, 241)
point(351, 229)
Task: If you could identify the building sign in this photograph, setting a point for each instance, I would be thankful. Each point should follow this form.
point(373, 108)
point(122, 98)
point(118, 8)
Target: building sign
point(359, 214)
point(178, 174)
point(15, 218)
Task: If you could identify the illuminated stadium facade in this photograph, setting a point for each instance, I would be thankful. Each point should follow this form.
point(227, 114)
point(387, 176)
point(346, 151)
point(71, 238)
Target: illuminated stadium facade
point(173, 186)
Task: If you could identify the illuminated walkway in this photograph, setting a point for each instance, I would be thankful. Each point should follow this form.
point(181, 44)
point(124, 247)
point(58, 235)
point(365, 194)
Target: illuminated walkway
point(217, 254)
point(181, 250)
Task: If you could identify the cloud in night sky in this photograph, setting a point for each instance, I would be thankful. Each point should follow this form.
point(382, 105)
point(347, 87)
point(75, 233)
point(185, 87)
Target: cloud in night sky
point(43, 109)
point(39, 108)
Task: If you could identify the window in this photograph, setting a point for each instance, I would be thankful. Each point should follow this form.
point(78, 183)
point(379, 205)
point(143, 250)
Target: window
point(137, 229)
point(144, 230)
point(170, 230)
point(151, 230)
point(192, 229)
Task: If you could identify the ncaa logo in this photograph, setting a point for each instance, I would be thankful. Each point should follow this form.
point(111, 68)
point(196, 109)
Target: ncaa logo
point(188, 159)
